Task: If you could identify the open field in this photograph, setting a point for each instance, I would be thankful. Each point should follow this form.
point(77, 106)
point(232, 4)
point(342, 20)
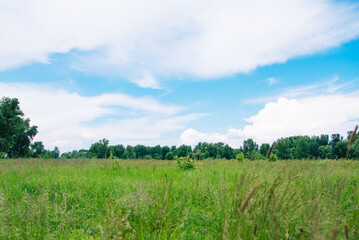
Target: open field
point(99, 199)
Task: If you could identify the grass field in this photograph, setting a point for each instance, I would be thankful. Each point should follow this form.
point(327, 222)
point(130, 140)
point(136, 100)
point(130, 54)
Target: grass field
point(99, 199)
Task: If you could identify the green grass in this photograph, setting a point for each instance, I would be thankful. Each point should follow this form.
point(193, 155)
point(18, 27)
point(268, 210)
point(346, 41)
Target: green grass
point(102, 199)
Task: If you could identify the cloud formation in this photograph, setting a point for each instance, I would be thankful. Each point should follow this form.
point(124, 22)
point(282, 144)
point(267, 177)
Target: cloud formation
point(71, 121)
point(310, 115)
point(182, 37)
point(146, 81)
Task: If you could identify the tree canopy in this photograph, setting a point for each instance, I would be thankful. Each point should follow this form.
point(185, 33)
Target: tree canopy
point(16, 133)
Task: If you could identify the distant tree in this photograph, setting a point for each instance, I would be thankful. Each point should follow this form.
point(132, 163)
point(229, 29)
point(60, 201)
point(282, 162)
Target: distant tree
point(38, 149)
point(100, 149)
point(302, 148)
point(82, 154)
point(334, 139)
point(264, 149)
point(169, 156)
point(66, 155)
point(212, 150)
point(249, 145)
point(55, 153)
point(140, 151)
point(164, 151)
point(155, 152)
point(184, 150)
point(313, 147)
point(340, 149)
point(227, 152)
point(323, 140)
point(117, 150)
point(16, 133)
point(282, 149)
point(325, 152)
point(355, 149)
point(129, 153)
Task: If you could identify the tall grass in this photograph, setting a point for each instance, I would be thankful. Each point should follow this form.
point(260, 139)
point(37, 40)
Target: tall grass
point(103, 199)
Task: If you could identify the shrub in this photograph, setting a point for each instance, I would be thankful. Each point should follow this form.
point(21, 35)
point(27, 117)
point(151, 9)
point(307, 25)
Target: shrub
point(186, 163)
point(169, 156)
point(147, 157)
point(272, 158)
point(112, 156)
point(240, 157)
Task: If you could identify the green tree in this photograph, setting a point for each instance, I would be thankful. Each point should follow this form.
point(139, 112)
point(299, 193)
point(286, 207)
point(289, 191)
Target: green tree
point(249, 145)
point(38, 149)
point(117, 150)
point(355, 149)
point(55, 153)
point(169, 156)
point(314, 147)
point(184, 150)
point(16, 133)
point(282, 149)
point(100, 149)
point(164, 151)
point(129, 153)
point(264, 148)
point(302, 148)
point(340, 149)
point(325, 152)
point(140, 151)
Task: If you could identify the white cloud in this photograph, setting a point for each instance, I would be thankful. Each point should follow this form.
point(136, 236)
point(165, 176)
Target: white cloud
point(71, 121)
point(272, 81)
point(202, 38)
point(314, 115)
point(146, 81)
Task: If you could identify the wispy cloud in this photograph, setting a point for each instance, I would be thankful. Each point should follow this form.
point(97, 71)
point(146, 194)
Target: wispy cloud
point(321, 88)
point(201, 38)
point(272, 81)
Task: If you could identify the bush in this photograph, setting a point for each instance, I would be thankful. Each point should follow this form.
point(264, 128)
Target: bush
point(272, 158)
point(169, 156)
point(147, 157)
point(240, 157)
point(186, 163)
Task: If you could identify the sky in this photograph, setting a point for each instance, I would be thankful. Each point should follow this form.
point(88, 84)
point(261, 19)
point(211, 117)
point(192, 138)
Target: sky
point(181, 72)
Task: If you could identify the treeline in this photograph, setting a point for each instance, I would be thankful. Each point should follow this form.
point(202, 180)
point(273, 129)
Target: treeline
point(298, 147)
point(16, 136)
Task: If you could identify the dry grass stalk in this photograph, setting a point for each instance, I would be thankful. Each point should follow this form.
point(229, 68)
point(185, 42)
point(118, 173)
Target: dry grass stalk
point(270, 150)
point(154, 168)
point(346, 231)
point(245, 203)
point(351, 140)
point(297, 176)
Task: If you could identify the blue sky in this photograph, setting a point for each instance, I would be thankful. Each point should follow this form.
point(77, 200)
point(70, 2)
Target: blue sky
point(181, 72)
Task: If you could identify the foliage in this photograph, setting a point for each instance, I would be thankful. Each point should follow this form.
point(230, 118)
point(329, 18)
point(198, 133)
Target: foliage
point(148, 157)
point(273, 158)
point(240, 157)
point(186, 163)
point(100, 149)
point(16, 133)
point(169, 156)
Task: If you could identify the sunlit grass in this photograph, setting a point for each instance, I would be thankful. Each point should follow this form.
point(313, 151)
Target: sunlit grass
point(102, 199)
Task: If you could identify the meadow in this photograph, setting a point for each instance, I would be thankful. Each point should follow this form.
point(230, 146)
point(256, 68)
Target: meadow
point(153, 199)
